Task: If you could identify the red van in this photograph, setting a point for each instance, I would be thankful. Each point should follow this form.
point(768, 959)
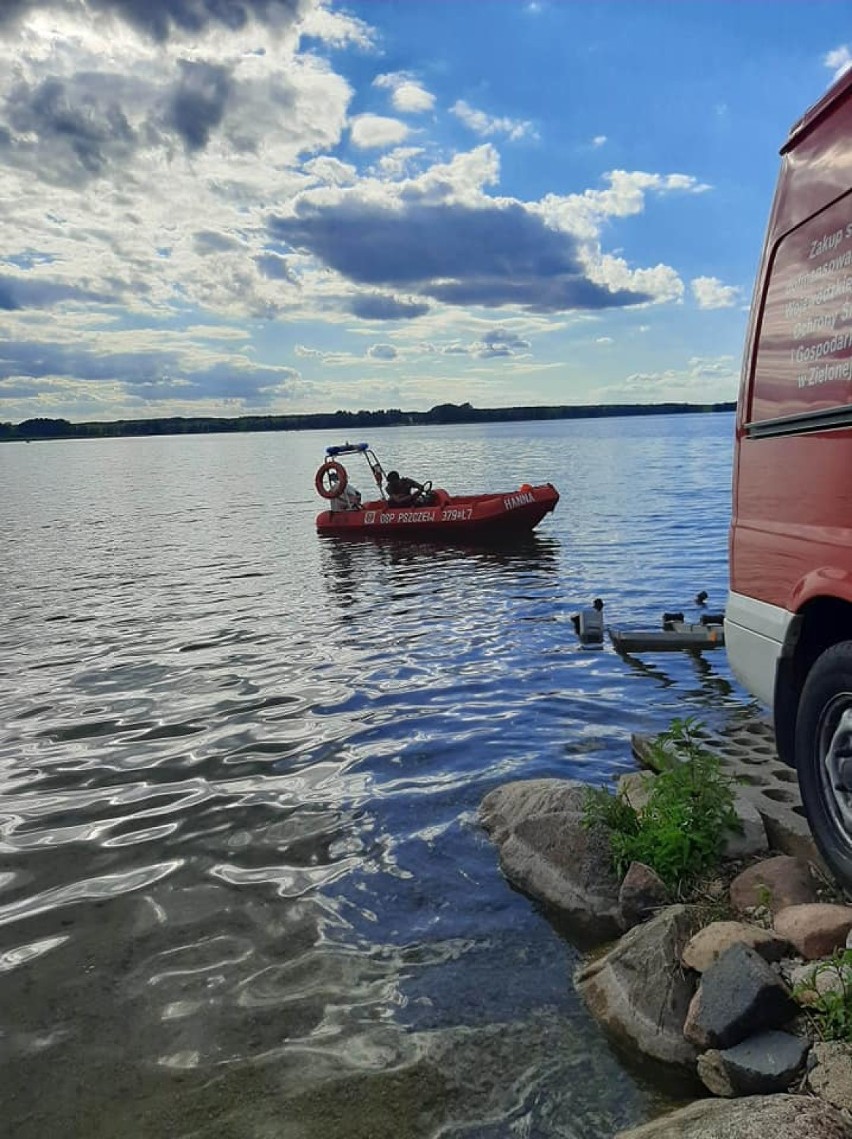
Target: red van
point(788, 622)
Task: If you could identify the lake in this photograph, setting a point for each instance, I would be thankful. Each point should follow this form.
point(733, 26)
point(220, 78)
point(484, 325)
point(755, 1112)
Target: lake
point(243, 891)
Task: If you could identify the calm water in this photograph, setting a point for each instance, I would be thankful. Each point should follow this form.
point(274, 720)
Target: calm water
point(242, 887)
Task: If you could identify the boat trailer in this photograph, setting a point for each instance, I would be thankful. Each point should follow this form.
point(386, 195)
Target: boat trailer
point(675, 635)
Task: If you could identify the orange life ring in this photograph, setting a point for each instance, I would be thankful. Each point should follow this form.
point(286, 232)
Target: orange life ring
point(342, 479)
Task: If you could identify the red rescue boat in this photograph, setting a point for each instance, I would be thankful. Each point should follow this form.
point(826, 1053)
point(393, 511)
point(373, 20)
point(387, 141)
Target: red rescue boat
point(434, 513)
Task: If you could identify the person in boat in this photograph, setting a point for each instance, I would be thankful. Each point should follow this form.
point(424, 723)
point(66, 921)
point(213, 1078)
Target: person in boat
point(348, 499)
point(402, 491)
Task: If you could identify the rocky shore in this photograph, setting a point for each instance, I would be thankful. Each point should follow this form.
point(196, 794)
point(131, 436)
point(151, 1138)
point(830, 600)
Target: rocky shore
point(717, 987)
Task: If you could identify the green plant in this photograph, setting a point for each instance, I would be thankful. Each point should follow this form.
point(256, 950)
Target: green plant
point(829, 1006)
point(681, 830)
point(764, 896)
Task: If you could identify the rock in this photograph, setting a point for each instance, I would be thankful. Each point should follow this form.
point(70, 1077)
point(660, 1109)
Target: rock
point(815, 930)
point(786, 829)
point(751, 838)
point(654, 753)
point(768, 1062)
point(776, 882)
point(508, 805)
point(635, 787)
point(638, 991)
point(811, 981)
point(831, 1075)
point(712, 1073)
point(756, 1117)
point(710, 943)
point(642, 893)
point(739, 996)
point(546, 851)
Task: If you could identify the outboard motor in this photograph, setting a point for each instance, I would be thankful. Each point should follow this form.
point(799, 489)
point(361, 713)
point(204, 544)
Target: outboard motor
point(589, 624)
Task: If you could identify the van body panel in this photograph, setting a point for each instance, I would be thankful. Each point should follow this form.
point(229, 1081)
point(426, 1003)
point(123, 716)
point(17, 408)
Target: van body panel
point(755, 633)
point(820, 109)
point(788, 626)
point(793, 517)
point(791, 529)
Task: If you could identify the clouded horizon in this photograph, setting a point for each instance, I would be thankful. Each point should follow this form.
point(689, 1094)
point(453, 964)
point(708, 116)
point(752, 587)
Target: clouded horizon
point(225, 207)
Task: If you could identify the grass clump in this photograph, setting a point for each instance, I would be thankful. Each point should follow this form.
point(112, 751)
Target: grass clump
point(682, 829)
point(829, 1006)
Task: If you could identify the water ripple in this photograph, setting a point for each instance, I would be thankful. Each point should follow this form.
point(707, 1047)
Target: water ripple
point(243, 884)
point(91, 889)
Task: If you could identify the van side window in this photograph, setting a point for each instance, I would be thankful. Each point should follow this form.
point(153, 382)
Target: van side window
point(804, 358)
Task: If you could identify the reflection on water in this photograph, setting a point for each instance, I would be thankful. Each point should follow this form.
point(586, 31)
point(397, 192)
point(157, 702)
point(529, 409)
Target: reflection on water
point(712, 686)
point(243, 891)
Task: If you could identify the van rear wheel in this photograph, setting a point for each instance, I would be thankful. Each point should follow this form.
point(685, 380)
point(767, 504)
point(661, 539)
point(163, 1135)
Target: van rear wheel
point(824, 756)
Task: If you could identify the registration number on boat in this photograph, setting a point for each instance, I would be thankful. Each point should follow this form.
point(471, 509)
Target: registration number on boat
point(457, 514)
point(408, 516)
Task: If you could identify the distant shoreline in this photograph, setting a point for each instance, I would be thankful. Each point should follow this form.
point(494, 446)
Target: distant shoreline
point(337, 421)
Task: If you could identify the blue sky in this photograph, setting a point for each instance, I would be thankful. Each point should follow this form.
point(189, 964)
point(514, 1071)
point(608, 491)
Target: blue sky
point(226, 207)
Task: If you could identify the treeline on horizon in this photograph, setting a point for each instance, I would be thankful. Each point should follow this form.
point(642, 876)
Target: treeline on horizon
point(445, 413)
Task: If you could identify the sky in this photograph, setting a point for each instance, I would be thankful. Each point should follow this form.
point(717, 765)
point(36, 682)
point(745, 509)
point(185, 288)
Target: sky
point(252, 207)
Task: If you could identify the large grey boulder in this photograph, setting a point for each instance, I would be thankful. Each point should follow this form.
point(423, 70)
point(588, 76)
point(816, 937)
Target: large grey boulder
point(754, 1117)
point(546, 851)
point(739, 996)
point(831, 1075)
point(639, 992)
point(768, 1062)
point(507, 806)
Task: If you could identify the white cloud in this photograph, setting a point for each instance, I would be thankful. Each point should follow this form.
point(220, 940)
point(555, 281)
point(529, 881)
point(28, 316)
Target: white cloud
point(488, 125)
point(331, 171)
point(709, 292)
point(335, 359)
point(623, 197)
point(599, 140)
point(604, 340)
point(118, 155)
point(702, 379)
point(337, 28)
point(440, 237)
point(382, 352)
point(408, 95)
point(500, 343)
point(399, 162)
point(839, 60)
point(194, 180)
point(660, 282)
point(372, 131)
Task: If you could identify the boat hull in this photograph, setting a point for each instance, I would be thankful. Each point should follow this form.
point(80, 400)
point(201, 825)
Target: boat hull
point(466, 517)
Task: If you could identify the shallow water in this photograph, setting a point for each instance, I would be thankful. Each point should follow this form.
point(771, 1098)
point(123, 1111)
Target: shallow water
point(243, 891)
